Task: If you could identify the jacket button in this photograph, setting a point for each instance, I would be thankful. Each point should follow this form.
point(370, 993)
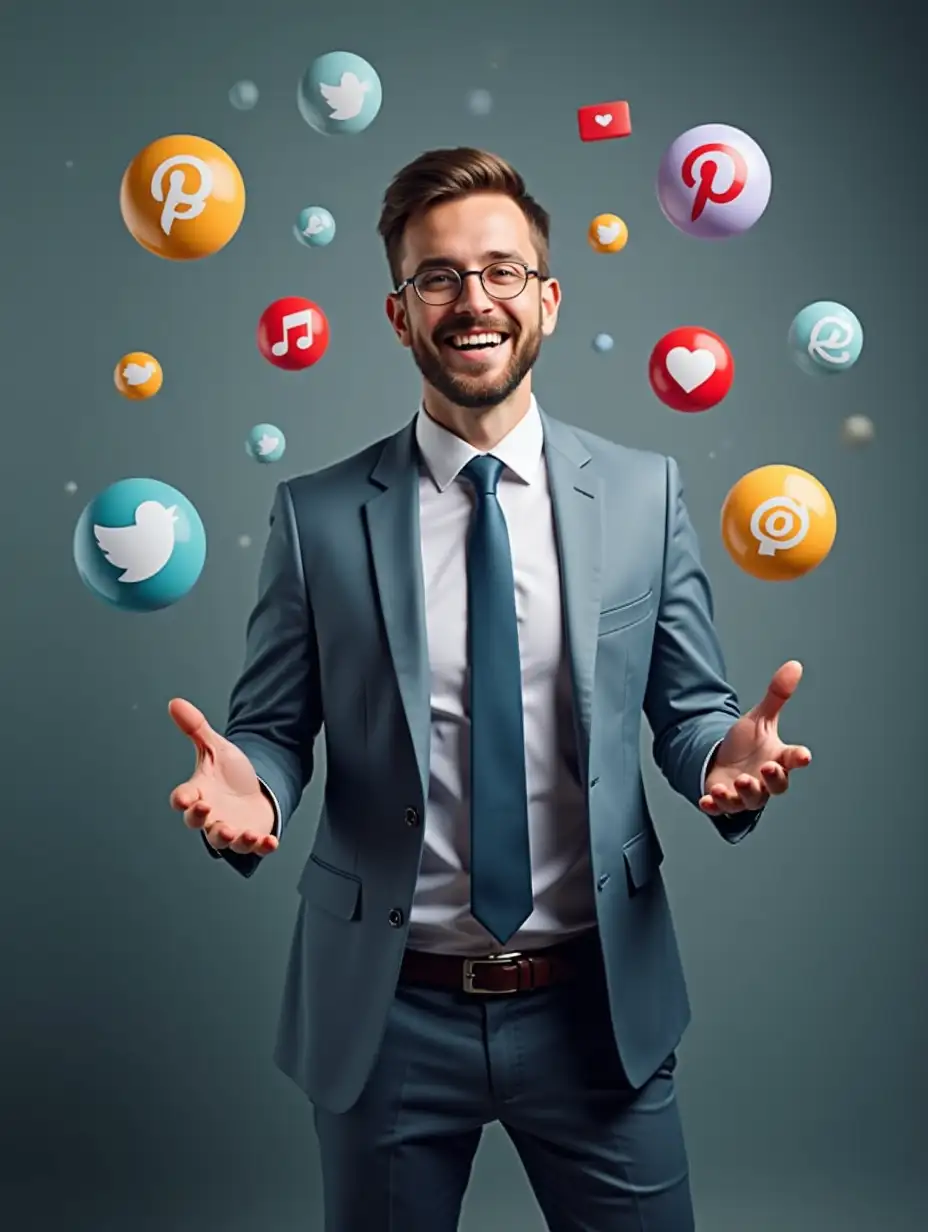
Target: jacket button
point(395, 917)
point(412, 817)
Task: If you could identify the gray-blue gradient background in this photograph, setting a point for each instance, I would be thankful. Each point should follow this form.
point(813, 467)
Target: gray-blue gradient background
point(141, 980)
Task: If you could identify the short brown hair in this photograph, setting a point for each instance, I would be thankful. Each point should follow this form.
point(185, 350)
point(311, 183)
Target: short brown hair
point(443, 175)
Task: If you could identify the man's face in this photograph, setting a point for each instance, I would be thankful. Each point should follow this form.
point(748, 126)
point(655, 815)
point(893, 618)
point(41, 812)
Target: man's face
point(469, 234)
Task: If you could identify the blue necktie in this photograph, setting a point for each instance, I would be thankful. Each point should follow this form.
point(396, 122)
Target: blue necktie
point(501, 874)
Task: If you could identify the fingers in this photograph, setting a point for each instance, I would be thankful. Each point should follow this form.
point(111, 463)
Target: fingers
point(794, 757)
point(222, 836)
point(191, 721)
point(184, 797)
point(781, 688)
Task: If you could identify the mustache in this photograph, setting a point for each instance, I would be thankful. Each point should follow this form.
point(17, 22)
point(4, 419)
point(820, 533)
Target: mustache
point(464, 326)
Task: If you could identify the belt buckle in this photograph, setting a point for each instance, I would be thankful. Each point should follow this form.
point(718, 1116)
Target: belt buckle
point(492, 960)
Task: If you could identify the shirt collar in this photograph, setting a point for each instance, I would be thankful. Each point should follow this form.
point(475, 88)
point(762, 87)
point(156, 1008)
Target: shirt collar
point(446, 455)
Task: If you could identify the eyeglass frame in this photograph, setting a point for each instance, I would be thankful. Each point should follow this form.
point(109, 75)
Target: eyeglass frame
point(462, 274)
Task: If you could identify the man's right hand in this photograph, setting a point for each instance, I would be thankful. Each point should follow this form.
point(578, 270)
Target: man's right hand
point(223, 797)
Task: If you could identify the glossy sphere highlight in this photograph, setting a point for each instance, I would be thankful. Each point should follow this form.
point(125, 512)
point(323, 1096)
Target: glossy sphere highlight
point(778, 523)
point(691, 369)
point(138, 375)
point(139, 545)
point(293, 333)
point(182, 198)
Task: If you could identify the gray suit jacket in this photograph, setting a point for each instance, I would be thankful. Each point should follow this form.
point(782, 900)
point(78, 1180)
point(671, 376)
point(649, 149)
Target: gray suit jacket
point(337, 642)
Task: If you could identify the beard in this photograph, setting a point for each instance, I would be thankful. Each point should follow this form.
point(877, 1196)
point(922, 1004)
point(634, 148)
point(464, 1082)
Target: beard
point(480, 391)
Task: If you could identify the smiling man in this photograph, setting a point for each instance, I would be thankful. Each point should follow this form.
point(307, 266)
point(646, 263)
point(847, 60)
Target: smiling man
point(478, 608)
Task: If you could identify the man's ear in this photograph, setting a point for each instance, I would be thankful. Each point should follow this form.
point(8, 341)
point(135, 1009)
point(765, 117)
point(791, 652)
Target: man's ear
point(396, 315)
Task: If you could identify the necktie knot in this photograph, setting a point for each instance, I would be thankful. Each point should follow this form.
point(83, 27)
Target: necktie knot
point(483, 472)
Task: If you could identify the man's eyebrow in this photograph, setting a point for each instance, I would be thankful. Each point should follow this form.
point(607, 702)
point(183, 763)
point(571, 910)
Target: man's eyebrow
point(444, 262)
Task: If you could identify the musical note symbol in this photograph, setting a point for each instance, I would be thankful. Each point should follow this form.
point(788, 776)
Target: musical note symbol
point(294, 320)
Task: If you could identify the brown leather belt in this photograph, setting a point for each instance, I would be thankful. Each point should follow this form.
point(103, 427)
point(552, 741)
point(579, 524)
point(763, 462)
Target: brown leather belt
point(494, 975)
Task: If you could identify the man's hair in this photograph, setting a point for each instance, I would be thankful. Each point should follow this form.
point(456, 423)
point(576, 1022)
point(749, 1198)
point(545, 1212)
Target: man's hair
point(444, 175)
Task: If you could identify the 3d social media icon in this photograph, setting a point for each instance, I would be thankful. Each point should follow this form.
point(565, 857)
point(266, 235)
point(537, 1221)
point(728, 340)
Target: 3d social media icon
point(778, 523)
point(339, 94)
point(314, 227)
point(265, 443)
point(140, 545)
point(138, 375)
point(607, 233)
point(691, 369)
point(714, 182)
point(825, 337)
point(293, 333)
point(182, 198)
point(604, 121)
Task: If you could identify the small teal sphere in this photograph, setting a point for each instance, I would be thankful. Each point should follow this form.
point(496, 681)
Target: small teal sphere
point(339, 94)
point(265, 443)
point(603, 343)
point(825, 337)
point(139, 545)
point(244, 95)
point(314, 227)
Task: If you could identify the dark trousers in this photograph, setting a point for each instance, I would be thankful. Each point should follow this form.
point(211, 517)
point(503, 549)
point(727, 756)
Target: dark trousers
point(600, 1157)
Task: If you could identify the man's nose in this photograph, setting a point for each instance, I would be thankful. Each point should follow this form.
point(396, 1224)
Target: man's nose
point(473, 295)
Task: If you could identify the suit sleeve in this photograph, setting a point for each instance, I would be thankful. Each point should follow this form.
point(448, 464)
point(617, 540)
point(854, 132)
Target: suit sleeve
point(688, 703)
point(275, 711)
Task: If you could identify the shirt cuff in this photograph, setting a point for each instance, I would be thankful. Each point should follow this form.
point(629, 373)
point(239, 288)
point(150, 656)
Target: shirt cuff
point(273, 799)
point(705, 768)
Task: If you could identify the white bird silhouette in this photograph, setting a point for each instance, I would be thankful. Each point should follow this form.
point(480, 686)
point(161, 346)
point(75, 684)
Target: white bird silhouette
point(267, 444)
point(347, 98)
point(143, 548)
point(137, 374)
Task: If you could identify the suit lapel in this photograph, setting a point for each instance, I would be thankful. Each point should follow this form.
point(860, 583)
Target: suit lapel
point(576, 498)
point(392, 519)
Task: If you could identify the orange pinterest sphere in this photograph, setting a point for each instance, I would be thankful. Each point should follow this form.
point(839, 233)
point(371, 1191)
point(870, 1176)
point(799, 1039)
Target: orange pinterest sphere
point(182, 198)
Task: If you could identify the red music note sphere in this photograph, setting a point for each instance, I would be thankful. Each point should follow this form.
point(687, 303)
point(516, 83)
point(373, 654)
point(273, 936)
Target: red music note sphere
point(293, 333)
point(691, 369)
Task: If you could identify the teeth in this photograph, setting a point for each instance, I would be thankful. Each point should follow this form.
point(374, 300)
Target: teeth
point(476, 339)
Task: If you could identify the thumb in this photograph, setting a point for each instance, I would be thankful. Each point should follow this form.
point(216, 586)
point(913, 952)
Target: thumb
point(779, 691)
point(192, 722)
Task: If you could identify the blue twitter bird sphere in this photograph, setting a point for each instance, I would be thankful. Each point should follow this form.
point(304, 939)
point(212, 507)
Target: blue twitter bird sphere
point(314, 227)
point(265, 443)
point(139, 545)
point(339, 94)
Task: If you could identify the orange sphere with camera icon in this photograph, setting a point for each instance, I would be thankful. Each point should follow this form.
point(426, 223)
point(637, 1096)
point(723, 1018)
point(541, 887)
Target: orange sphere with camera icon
point(182, 198)
point(778, 523)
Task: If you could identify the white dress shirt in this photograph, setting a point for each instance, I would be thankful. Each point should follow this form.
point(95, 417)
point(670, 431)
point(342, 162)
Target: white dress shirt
point(562, 882)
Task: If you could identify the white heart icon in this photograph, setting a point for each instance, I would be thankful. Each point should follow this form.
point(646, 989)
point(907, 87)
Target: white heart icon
point(690, 369)
point(603, 120)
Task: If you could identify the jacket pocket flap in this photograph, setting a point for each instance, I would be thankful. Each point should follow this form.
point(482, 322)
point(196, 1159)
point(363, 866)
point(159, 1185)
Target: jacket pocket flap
point(643, 857)
point(624, 614)
point(324, 886)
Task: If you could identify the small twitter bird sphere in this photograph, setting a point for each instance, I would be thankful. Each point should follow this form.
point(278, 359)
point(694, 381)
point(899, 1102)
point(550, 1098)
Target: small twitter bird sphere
point(139, 545)
point(265, 443)
point(339, 94)
point(314, 227)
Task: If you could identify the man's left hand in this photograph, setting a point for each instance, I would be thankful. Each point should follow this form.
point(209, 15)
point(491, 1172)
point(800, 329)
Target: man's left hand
point(752, 763)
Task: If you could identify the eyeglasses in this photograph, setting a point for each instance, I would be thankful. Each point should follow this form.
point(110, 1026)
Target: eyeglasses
point(501, 280)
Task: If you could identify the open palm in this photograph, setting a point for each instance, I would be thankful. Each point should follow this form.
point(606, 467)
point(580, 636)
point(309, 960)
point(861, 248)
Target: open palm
point(752, 763)
point(223, 796)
